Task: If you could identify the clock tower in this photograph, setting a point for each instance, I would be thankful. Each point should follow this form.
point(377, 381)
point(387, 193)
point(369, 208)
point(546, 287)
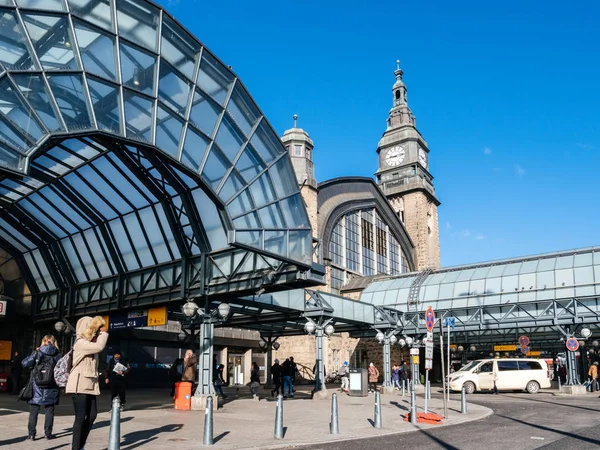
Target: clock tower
point(403, 175)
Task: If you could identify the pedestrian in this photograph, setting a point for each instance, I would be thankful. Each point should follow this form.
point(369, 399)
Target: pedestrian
point(593, 374)
point(286, 373)
point(116, 374)
point(45, 390)
point(373, 377)
point(295, 373)
point(190, 368)
point(255, 381)
point(175, 373)
point(404, 375)
point(91, 337)
point(495, 378)
point(316, 375)
point(16, 372)
point(396, 377)
point(219, 381)
point(276, 377)
point(343, 373)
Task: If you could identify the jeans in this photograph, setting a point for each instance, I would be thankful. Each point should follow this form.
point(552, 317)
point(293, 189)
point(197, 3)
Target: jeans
point(277, 383)
point(219, 389)
point(85, 415)
point(117, 387)
point(396, 383)
point(287, 386)
point(48, 421)
point(372, 386)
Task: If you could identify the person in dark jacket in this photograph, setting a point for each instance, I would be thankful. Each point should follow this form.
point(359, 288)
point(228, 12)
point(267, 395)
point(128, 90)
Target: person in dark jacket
point(175, 373)
point(255, 380)
point(16, 371)
point(286, 374)
point(276, 377)
point(116, 378)
point(43, 396)
point(219, 381)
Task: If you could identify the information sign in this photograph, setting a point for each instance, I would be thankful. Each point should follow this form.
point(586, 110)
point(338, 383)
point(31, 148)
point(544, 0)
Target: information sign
point(505, 348)
point(415, 359)
point(429, 350)
point(428, 364)
point(138, 318)
point(5, 350)
point(450, 322)
point(414, 351)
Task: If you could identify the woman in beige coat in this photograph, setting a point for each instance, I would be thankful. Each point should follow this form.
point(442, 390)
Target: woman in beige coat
point(83, 378)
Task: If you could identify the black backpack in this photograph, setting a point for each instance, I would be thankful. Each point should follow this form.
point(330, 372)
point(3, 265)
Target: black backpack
point(43, 372)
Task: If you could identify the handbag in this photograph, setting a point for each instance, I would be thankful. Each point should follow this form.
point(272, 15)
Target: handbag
point(26, 393)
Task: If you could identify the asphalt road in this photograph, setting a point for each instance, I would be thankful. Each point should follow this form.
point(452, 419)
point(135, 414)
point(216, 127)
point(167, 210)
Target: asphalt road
point(520, 421)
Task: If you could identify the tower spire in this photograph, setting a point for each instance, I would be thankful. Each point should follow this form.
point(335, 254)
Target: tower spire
point(295, 120)
point(400, 113)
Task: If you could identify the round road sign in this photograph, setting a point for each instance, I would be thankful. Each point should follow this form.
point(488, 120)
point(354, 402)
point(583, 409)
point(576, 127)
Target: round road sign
point(429, 319)
point(572, 344)
point(524, 341)
point(524, 350)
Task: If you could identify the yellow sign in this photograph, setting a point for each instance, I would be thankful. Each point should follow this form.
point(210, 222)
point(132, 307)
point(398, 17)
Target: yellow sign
point(453, 347)
point(534, 353)
point(505, 348)
point(157, 316)
point(107, 321)
point(5, 350)
point(415, 359)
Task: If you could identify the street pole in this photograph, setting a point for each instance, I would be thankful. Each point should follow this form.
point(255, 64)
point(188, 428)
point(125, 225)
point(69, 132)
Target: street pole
point(448, 356)
point(426, 388)
point(443, 368)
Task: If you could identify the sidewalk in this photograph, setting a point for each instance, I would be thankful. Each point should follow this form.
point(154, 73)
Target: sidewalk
point(151, 422)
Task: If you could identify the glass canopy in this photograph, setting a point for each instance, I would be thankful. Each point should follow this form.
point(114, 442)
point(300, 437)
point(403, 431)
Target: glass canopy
point(124, 144)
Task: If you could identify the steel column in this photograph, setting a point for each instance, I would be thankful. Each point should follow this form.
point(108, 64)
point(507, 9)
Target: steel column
point(205, 363)
point(386, 362)
point(320, 372)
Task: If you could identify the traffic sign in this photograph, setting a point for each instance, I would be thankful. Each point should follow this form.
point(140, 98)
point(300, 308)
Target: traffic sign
point(429, 350)
point(429, 319)
point(524, 341)
point(450, 322)
point(572, 344)
point(524, 349)
point(428, 364)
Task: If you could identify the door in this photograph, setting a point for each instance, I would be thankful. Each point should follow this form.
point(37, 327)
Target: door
point(235, 369)
point(486, 376)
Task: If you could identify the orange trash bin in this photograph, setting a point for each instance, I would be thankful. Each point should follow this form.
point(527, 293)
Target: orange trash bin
point(183, 395)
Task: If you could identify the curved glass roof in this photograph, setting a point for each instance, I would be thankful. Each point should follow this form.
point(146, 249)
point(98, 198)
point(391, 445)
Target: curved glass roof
point(133, 146)
point(536, 278)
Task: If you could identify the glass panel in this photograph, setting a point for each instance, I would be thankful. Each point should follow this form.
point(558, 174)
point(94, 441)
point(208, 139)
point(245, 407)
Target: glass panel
point(276, 242)
point(262, 191)
point(232, 186)
point(34, 90)
point(121, 186)
point(168, 231)
point(14, 53)
point(241, 204)
point(138, 21)
point(137, 69)
point(67, 208)
point(173, 90)
point(229, 139)
point(47, 215)
point(52, 5)
point(10, 158)
point(97, 51)
point(214, 78)
point(546, 264)
point(123, 245)
point(194, 149)
point(68, 91)
point(52, 40)
point(204, 113)
point(266, 143)
point(248, 221)
point(294, 212)
point(564, 277)
point(95, 11)
point(242, 109)
point(39, 280)
point(86, 258)
point(211, 220)
point(85, 191)
point(19, 238)
point(564, 262)
point(251, 238)
point(105, 98)
point(271, 217)
point(23, 128)
point(157, 242)
point(138, 116)
point(249, 164)
point(215, 167)
point(168, 131)
point(300, 246)
point(178, 47)
point(512, 269)
point(99, 252)
point(583, 260)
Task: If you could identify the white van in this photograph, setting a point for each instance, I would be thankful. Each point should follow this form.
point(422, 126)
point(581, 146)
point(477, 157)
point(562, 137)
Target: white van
point(512, 374)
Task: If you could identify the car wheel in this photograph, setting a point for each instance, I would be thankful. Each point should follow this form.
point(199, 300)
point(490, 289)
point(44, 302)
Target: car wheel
point(533, 387)
point(469, 387)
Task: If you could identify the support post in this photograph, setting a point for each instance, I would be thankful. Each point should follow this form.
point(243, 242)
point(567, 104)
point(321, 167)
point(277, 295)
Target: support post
point(413, 401)
point(279, 418)
point(205, 363)
point(463, 401)
point(333, 426)
point(269, 363)
point(320, 372)
point(208, 422)
point(572, 376)
point(386, 363)
point(114, 435)
point(377, 416)
point(443, 369)
point(426, 389)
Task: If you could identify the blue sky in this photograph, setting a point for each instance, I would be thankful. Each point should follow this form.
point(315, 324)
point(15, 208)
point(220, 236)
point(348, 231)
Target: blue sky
point(506, 96)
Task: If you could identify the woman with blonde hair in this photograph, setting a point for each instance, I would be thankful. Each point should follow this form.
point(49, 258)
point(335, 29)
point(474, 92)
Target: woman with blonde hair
point(45, 391)
point(83, 378)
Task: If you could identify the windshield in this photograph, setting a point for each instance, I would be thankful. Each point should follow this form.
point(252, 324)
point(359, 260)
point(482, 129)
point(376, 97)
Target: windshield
point(469, 366)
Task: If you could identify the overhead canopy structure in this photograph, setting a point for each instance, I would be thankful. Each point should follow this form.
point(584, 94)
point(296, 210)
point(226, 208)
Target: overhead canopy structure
point(499, 300)
point(135, 168)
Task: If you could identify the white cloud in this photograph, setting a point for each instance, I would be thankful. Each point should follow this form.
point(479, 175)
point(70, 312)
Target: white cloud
point(585, 146)
point(487, 151)
point(465, 233)
point(519, 170)
point(480, 237)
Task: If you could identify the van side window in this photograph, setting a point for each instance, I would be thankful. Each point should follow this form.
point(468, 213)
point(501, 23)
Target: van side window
point(529, 365)
point(507, 365)
point(487, 367)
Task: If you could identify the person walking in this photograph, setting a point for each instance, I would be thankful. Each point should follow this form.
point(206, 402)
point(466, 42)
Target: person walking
point(593, 374)
point(91, 337)
point(396, 377)
point(219, 381)
point(255, 381)
point(45, 391)
point(190, 368)
point(116, 374)
point(404, 375)
point(343, 373)
point(295, 372)
point(16, 372)
point(373, 377)
point(495, 378)
point(276, 377)
point(175, 373)
point(286, 373)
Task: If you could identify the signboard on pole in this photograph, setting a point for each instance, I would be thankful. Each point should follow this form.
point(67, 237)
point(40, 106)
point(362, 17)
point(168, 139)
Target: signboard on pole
point(429, 350)
point(414, 351)
point(428, 364)
point(524, 341)
point(429, 319)
point(138, 318)
point(505, 348)
point(524, 350)
point(572, 344)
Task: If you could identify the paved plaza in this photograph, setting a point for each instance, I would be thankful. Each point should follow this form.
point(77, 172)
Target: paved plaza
point(150, 422)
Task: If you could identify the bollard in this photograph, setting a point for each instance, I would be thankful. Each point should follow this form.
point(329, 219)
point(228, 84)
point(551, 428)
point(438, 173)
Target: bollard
point(114, 435)
point(208, 422)
point(403, 386)
point(426, 396)
point(333, 426)
point(463, 401)
point(413, 405)
point(279, 418)
point(377, 418)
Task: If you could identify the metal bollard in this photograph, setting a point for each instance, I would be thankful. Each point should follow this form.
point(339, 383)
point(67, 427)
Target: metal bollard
point(333, 425)
point(208, 422)
point(463, 401)
point(413, 404)
point(403, 386)
point(114, 435)
point(377, 418)
point(279, 418)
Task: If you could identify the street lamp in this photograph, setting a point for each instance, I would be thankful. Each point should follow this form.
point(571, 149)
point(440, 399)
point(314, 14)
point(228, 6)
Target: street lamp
point(460, 348)
point(473, 348)
point(393, 339)
point(586, 333)
point(181, 336)
point(263, 345)
point(595, 343)
point(190, 308)
point(402, 342)
point(409, 340)
point(60, 326)
point(310, 327)
point(276, 345)
point(379, 336)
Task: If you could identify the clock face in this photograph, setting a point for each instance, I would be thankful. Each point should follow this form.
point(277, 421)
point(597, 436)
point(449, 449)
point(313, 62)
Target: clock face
point(423, 157)
point(394, 156)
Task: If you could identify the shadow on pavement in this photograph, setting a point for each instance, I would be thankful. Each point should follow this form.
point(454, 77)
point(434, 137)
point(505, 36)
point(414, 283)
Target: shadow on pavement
point(439, 441)
point(220, 436)
point(142, 437)
point(398, 405)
